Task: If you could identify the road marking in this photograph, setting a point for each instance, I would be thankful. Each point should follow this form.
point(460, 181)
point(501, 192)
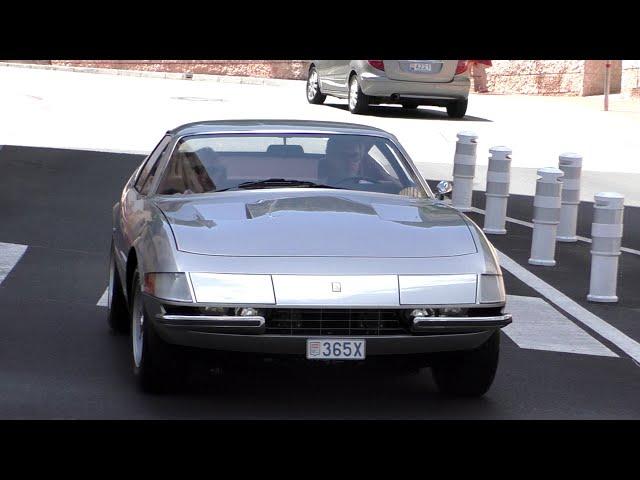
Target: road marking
point(104, 299)
point(538, 326)
point(530, 225)
point(10, 254)
point(581, 314)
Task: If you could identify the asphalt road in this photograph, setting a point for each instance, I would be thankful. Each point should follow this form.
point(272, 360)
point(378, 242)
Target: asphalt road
point(58, 359)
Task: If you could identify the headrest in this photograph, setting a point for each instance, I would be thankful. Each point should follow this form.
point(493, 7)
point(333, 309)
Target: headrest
point(285, 150)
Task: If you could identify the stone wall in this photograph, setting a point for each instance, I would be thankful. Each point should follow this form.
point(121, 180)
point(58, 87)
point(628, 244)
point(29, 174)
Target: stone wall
point(528, 77)
point(631, 78)
point(286, 69)
point(552, 77)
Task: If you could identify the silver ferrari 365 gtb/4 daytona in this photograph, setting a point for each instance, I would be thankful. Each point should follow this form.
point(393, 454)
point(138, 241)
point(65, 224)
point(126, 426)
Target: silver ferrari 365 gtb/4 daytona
point(298, 239)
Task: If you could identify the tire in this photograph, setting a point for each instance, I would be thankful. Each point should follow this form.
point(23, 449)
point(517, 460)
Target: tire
point(158, 366)
point(358, 101)
point(457, 109)
point(468, 374)
point(118, 318)
point(314, 95)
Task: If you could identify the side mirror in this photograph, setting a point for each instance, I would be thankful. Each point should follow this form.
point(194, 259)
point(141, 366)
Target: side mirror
point(443, 189)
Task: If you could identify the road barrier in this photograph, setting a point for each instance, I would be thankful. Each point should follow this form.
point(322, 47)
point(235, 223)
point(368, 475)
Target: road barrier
point(606, 234)
point(464, 169)
point(571, 165)
point(546, 216)
point(497, 191)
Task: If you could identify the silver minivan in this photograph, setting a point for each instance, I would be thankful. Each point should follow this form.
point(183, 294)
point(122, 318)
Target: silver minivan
point(410, 83)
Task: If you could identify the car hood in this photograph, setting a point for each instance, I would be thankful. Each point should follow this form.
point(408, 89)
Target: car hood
point(315, 223)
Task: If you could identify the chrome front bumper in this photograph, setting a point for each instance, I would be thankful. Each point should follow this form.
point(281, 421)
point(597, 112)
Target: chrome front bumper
point(248, 334)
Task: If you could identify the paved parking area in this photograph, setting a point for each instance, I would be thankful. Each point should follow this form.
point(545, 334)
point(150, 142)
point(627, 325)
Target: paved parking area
point(561, 358)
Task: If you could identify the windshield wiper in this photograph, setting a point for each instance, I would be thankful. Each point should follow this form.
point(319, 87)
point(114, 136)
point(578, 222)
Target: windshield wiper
point(277, 182)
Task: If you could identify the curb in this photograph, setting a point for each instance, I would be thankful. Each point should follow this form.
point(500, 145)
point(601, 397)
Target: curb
point(274, 82)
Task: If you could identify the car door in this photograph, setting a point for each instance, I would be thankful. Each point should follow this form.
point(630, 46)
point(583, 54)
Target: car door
point(330, 81)
point(343, 68)
point(134, 211)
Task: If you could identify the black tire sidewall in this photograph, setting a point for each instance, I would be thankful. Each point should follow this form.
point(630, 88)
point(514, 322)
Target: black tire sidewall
point(457, 109)
point(159, 370)
point(470, 373)
point(118, 317)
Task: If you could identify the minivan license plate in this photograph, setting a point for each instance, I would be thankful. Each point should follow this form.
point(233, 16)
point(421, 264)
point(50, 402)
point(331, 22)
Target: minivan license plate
point(420, 67)
point(335, 349)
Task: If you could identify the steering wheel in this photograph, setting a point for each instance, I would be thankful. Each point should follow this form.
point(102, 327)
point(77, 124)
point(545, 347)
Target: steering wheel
point(356, 179)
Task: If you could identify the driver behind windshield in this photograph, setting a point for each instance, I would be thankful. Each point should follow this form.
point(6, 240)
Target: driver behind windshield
point(347, 160)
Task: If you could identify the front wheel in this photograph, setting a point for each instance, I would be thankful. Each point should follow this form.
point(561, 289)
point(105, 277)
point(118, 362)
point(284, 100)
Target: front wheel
point(457, 109)
point(471, 373)
point(314, 95)
point(358, 101)
point(157, 365)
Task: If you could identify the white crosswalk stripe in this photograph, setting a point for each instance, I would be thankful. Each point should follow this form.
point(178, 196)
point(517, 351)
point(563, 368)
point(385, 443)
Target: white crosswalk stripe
point(104, 299)
point(581, 314)
point(538, 326)
point(10, 254)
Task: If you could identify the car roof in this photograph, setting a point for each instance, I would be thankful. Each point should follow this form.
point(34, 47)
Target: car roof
point(280, 126)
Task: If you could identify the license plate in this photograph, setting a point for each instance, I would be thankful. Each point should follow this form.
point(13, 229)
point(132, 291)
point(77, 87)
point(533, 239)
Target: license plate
point(335, 349)
point(425, 67)
point(420, 67)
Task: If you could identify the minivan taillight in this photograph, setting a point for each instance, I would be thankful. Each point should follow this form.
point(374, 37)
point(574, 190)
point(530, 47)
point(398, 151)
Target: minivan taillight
point(379, 64)
point(462, 67)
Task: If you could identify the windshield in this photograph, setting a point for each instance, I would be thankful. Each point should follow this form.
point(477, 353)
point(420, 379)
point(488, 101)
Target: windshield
point(213, 163)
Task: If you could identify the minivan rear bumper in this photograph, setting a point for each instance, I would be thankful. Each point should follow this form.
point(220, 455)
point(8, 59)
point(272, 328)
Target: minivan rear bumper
point(396, 90)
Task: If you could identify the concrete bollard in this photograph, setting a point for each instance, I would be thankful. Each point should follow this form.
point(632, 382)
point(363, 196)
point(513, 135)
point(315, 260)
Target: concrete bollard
point(546, 216)
point(464, 169)
point(571, 165)
point(497, 191)
point(606, 232)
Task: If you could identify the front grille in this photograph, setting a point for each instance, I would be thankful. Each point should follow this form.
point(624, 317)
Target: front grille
point(340, 322)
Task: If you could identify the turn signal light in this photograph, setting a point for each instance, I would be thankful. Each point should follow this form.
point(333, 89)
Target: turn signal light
point(168, 286)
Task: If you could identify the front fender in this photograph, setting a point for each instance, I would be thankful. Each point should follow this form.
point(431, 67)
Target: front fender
point(155, 247)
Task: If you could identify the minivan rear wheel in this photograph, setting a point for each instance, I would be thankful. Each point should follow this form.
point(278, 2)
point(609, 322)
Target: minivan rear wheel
point(358, 101)
point(457, 109)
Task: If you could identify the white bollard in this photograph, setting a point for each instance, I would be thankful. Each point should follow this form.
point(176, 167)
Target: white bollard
point(606, 232)
point(464, 169)
point(497, 191)
point(546, 216)
point(571, 165)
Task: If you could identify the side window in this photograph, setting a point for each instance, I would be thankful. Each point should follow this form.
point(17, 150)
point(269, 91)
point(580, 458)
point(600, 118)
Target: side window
point(383, 161)
point(145, 179)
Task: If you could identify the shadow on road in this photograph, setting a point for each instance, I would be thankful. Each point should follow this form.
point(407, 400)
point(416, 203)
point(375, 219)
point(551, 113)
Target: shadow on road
point(423, 113)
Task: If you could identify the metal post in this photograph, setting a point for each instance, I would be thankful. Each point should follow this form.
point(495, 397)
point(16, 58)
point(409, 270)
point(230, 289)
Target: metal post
point(606, 232)
point(546, 216)
point(497, 191)
point(607, 77)
point(571, 165)
point(464, 169)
